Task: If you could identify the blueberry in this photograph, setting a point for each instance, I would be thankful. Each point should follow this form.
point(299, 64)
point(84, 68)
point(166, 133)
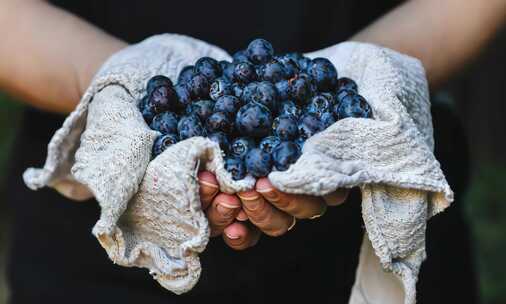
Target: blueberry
point(228, 104)
point(331, 97)
point(183, 95)
point(347, 83)
point(285, 127)
point(260, 51)
point(186, 74)
point(266, 94)
point(268, 143)
point(157, 81)
point(163, 98)
point(258, 162)
point(272, 71)
point(241, 146)
point(283, 88)
point(324, 74)
point(245, 72)
point(162, 142)
point(343, 93)
point(220, 87)
point(190, 126)
point(285, 154)
point(227, 69)
point(294, 56)
point(248, 91)
point(319, 104)
point(237, 89)
point(219, 122)
point(202, 108)
point(221, 139)
point(236, 167)
point(208, 67)
point(304, 63)
point(240, 56)
point(309, 124)
point(147, 109)
point(327, 119)
point(254, 119)
point(290, 65)
point(199, 86)
point(165, 123)
point(301, 88)
point(288, 107)
point(300, 142)
point(353, 106)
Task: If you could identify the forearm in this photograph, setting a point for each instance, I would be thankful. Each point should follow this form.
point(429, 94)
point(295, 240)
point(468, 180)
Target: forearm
point(48, 56)
point(444, 35)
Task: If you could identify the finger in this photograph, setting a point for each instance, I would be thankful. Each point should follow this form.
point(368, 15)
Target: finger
point(262, 214)
point(222, 212)
point(337, 197)
point(241, 216)
point(208, 188)
point(300, 206)
point(240, 236)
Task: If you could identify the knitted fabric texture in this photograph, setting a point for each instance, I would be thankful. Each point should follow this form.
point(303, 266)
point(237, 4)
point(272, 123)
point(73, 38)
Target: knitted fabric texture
point(150, 210)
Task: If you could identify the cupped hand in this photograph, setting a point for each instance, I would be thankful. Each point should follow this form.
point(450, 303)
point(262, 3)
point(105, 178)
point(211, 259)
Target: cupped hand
point(269, 210)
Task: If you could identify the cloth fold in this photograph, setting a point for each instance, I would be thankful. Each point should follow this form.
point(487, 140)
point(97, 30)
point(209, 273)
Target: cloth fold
point(151, 213)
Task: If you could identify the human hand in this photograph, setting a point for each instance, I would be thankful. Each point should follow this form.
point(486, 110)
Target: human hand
point(269, 211)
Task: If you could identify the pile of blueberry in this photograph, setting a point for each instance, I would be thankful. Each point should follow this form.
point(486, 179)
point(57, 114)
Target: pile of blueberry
point(260, 108)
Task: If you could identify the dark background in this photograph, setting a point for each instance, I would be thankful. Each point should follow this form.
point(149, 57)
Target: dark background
point(478, 97)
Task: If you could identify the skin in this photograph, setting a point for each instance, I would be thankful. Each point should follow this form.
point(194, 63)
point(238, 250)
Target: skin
point(444, 35)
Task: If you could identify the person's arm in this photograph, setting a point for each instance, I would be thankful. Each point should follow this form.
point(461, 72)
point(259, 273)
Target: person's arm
point(444, 35)
point(48, 56)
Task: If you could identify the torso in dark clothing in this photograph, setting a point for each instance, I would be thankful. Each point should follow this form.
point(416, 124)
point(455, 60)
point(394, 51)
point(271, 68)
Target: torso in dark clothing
point(54, 256)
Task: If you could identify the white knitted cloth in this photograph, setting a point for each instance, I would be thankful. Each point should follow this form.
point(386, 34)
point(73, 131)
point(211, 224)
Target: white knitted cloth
point(151, 213)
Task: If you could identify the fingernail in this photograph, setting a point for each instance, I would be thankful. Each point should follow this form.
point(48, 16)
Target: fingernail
point(232, 237)
point(270, 194)
point(315, 216)
point(242, 216)
point(248, 198)
point(209, 184)
point(224, 209)
point(293, 224)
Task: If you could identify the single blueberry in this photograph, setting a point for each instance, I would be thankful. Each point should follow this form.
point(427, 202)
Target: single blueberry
point(147, 109)
point(240, 56)
point(219, 122)
point(156, 81)
point(202, 108)
point(199, 86)
point(164, 123)
point(162, 142)
point(304, 63)
point(285, 127)
point(309, 124)
point(285, 154)
point(258, 162)
point(324, 74)
point(290, 65)
point(208, 67)
point(268, 143)
point(221, 139)
point(294, 56)
point(163, 98)
point(301, 89)
point(228, 104)
point(227, 69)
point(260, 51)
point(327, 119)
point(288, 107)
point(236, 167)
point(186, 74)
point(266, 94)
point(347, 83)
point(341, 93)
point(241, 146)
point(244, 72)
point(272, 71)
point(221, 86)
point(353, 106)
point(319, 104)
point(248, 90)
point(283, 88)
point(190, 126)
point(254, 119)
point(183, 95)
